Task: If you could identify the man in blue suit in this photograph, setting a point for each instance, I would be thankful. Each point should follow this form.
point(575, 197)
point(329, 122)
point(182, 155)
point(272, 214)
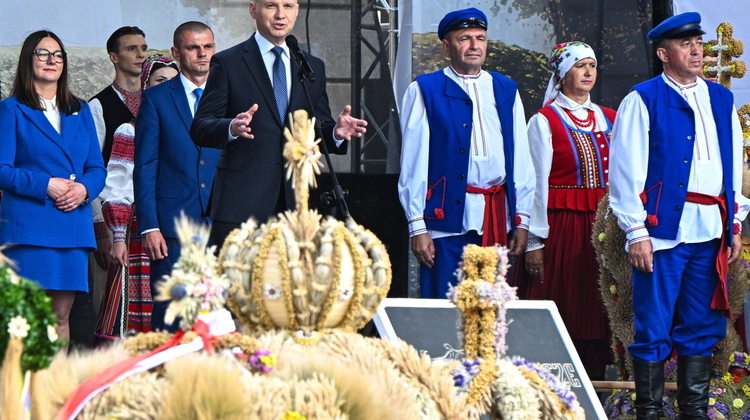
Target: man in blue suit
point(172, 174)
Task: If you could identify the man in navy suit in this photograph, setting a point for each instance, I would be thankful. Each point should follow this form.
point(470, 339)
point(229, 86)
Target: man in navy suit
point(252, 88)
point(172, 174)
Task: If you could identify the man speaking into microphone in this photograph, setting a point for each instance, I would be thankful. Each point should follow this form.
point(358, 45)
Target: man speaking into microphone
point(251, 89)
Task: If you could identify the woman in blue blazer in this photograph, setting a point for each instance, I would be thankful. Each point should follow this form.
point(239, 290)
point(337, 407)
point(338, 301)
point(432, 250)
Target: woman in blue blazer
point(50, 165)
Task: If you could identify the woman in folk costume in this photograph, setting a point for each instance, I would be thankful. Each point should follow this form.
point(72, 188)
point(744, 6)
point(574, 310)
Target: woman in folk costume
point(569, 143)
point(50, 166)
point(127, 301)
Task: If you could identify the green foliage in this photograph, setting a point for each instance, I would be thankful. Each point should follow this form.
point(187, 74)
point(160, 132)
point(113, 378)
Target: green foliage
point(23, 297)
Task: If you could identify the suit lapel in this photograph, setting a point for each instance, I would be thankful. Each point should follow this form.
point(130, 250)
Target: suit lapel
point(68, 127)
point(254, 61)
point(180, 101)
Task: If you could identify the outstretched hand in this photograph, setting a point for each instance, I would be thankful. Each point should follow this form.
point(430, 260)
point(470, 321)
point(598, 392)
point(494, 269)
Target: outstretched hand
point(348, 126)
point(240, 125)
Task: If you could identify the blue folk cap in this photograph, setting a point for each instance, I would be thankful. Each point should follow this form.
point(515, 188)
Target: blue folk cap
point(459, 19)
point(681, 26)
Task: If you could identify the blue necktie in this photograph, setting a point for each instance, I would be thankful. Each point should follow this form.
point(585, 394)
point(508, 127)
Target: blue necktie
point(279, 84)
point(198, 93)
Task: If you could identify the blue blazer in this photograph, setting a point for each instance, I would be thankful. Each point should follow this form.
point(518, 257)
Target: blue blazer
point(171, 173)
point(31, 151)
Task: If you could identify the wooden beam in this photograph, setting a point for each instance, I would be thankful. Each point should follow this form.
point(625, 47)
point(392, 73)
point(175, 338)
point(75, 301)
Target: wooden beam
point(609, 385)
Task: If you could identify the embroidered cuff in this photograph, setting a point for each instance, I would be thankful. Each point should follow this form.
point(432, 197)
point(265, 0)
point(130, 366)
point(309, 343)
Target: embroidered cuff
point(417, 226)
point(640, 239)
point(533, 244)
point(100, 230)
point(118, 234)
point(522, 220)
point(636, 234)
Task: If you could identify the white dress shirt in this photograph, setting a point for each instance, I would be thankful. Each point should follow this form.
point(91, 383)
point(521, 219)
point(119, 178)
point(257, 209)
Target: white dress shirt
point(629, 165)
point(190, 92)
point(486, 160)
point(51, 112)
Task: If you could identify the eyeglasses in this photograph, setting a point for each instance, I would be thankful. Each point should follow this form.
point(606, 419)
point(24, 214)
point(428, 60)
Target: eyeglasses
point(44, 54)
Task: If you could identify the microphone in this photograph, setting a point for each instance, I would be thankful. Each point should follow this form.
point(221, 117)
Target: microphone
point(291, 42)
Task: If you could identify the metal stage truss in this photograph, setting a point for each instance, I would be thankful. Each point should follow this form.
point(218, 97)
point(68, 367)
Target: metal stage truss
point(374, 36)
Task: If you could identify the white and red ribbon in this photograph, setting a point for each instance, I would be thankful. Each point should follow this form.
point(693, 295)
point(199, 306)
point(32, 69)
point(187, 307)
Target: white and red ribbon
point(219, 322)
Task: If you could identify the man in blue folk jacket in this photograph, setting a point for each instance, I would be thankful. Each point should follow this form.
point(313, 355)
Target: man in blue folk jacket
point(466, 171)
point(675, 176)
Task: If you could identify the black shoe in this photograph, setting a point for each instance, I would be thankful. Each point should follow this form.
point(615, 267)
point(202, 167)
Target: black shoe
point(693, 380)
point(649, 389)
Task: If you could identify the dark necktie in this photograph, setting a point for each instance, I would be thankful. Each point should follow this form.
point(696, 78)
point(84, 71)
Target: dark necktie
point(198, 93)
point(279, 84)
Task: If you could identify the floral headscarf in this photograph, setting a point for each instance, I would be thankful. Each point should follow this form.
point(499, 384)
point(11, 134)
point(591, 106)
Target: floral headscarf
point(562, 59)
point(155, 62)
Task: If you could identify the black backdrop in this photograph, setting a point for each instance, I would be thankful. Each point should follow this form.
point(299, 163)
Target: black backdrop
point(373, 203)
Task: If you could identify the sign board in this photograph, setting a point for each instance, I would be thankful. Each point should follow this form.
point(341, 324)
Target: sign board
point(535, 332)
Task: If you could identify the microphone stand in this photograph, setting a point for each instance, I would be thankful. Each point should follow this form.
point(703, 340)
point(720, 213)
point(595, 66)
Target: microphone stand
point(338, 192)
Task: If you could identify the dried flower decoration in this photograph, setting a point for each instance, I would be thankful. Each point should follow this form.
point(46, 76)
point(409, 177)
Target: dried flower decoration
point(262, 361)
point(194, 286)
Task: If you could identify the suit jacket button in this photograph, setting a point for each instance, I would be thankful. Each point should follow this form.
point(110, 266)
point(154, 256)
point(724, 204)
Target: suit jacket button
point(458, 201)
point(278, 164)
point(463, 150)
point(72, 177)
point(682, 185)
point(468, 102)
point(201, 162)
point(677, 208)
point(203, 185)
point(460, 177)
point(684, 160)
point(466, 125)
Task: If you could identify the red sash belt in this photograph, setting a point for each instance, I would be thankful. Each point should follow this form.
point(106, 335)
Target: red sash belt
point(494, 225)
point(720, 301)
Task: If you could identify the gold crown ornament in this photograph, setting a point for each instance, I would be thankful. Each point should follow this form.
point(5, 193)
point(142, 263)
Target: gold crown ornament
point(301, 271)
